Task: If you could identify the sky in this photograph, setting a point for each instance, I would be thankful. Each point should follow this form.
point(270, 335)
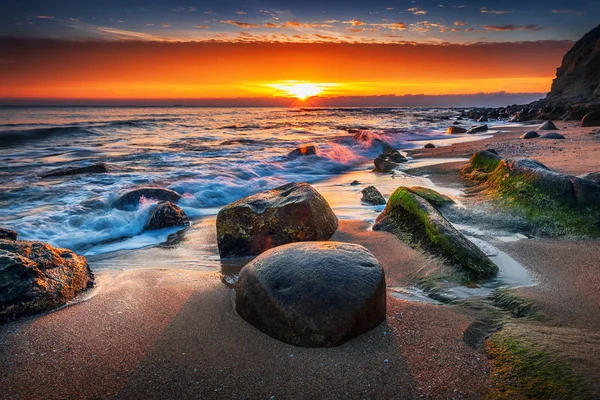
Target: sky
point(152, 49)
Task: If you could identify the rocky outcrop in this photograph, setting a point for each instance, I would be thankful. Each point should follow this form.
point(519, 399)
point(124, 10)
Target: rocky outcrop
point(388, 161)
point(166, 215)
point(307, 150)
point(547, 126)
point(578, 78)
point(477, 129)
point(36, 277)
point(291, 213)
point(415, 220)
point(317, 294)
point(455, 129)
point(8, 234)
point(545, 196)
point(130, 200)
point(530, 135)
point(98, 168)
point(371, 195)
point(433, 197)
point(591, 119)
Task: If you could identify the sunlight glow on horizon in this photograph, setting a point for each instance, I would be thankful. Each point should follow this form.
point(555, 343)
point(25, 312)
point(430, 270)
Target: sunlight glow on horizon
point(300, 89)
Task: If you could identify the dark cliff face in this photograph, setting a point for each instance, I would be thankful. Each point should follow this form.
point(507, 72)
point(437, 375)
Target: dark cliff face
point(578, 78)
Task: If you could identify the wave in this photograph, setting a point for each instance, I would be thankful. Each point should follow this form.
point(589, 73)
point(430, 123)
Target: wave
point(11, 137)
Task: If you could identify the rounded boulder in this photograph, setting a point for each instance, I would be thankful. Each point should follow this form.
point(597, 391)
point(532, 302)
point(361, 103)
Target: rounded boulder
point(166, 215)
point(313, 294)
point(290, 213)
point(130, 200)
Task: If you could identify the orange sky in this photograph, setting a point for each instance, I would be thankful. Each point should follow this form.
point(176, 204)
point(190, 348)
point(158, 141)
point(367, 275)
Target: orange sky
point(122, 69)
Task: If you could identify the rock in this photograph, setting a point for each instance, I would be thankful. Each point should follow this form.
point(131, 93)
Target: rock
point(8, 234)
point(383, 165)
point(354, 183)
point(290, 213)
point(483, 119)
point(166, 215)
point(36, 277)
point(530, 135)
point(413, 218)
point(317, 294)
point(371, 195)
point(456, 123)
point(591, 119)
point(456, 129)
point(547, 126)
point(307, 150)
point(552, 135)
point(372, 139)
point(238, 141)
point(591, 176)
point(435, 198)
point(478, 129)
point(396, 157)
point(429, 146)
point(578, 78)
point(130, 200)
point(98, 168)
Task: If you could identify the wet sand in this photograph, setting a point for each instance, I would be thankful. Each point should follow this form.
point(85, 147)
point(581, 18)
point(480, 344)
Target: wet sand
point(157, 331)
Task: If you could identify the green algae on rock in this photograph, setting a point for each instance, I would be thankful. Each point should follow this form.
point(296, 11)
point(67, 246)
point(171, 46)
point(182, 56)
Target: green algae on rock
point(435, 198)
point(415, 220)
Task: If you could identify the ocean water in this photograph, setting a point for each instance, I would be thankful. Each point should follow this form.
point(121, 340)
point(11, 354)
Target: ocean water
point(213, 156)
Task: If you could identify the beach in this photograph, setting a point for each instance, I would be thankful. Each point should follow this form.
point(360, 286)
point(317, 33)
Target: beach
point(161, 320)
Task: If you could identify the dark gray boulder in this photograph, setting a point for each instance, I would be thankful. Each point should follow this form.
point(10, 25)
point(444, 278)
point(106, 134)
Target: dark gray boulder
point(547, 126)
point(371, 195)
point(308, 150)
point(396, 157)
point(166, 215)
point(429, 146)
point(36, 277)
point(478, 129)
point(8, 234)
point(530, 135)
point(552, 135)
point(383, 165)
point(290, 213)
point(317, 294)
point(98, 168)
point(415, 220)
point(591, 119)
point(456, 129)
point(130, 200)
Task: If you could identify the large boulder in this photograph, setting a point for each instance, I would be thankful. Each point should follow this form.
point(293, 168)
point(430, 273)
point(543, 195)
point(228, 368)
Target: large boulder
point(553, 135)
point(98, 168)
point(130, 200)
point(8, 234)
point(433, 197)
point(591, 119)
point(455, 129)
point(317, 294)
point(415, 220)
point(547, 126)
point(166, 215)
point(578, 78)
point(478, 129)
point(291, 213)
point(36, 277)
point(530, 135)
point(371, 195)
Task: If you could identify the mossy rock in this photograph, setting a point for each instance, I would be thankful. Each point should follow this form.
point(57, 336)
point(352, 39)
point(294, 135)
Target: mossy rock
point(435, 198)
point(414, 219)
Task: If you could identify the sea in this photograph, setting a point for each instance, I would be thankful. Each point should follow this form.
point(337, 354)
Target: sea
point(212, 156)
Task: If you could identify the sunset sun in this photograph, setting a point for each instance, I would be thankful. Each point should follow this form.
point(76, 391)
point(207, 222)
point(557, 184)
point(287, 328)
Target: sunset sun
point(299, 89)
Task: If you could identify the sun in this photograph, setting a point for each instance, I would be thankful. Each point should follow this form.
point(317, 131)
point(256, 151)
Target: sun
point(299, 89)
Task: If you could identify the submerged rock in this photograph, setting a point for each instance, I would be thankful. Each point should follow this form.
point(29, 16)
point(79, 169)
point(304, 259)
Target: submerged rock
point(415, 220)
point(383, 165)
point(8, 234)
point(36, 277)
point(371, 195)
point(547, 126)
point(130, 200)
point(396, 157)
point(98, 168)
point(477, 129)
point(290, 213)
point(530, 135)
point(456, 129)
point(166, 215)
point(552, 135)
point(307, 150)
point(317, 294)
point(429, 146)
point(591, 119)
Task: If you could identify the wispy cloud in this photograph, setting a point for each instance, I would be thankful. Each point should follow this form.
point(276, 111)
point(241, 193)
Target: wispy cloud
point(485, 10)
point(417, 11)
point(510, 27)
point(244, 25)
point(241, 12)
point(459, 23)
point(201, 27)
point(355, 22)
point(565, 11)
point(44, 17)
point(182, 9)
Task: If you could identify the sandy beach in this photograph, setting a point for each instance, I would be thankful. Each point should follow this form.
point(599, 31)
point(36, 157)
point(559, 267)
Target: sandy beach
point(167, 332)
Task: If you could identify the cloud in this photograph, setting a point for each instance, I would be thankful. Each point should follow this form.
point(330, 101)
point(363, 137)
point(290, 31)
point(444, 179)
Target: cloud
point(417, 11)
point(331, 21)
point(469, 29)
point(125, 34)
point(565, 11)
point(355, 30)
point(511, 27)
point(455, 30)
point(182, 9)
point(201, 27)
point(166, 25)
point(241, 12)
point(44, 17)
point(245, 25)
point(271, 25)
point(459, 23)
point(496, 12)
point(354, 22)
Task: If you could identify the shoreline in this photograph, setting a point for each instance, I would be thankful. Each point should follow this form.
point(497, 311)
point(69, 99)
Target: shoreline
point(157, 331)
